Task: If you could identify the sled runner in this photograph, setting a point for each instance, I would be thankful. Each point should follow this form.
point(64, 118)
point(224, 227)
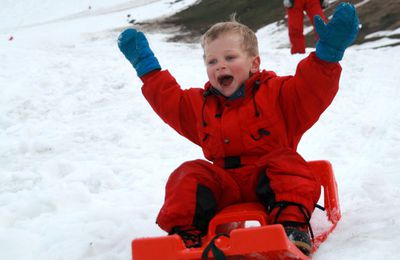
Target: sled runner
point(229, 234)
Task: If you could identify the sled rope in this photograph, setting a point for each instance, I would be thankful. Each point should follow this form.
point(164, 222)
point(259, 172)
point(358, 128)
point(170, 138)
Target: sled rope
point(217, 253)
point(319, 207)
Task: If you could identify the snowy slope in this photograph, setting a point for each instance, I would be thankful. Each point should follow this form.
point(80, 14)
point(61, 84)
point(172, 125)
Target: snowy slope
point(84, 160)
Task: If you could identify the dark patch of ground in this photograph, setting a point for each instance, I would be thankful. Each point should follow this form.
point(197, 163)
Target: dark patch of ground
point(189, 24)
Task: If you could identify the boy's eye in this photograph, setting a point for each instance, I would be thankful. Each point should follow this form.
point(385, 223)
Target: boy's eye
point(230, 57)
point(212, 62)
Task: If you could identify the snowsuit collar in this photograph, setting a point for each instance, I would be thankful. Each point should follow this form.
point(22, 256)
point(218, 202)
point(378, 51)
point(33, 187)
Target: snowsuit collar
point(247, 91)
point(210, 90)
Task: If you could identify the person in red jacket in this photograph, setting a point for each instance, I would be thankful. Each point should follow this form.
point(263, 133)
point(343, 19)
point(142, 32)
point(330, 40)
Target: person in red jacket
point(248, 123)
point(295, 13)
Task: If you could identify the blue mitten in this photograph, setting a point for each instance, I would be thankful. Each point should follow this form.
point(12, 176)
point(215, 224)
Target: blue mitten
point(338, 34)
point(135, 47)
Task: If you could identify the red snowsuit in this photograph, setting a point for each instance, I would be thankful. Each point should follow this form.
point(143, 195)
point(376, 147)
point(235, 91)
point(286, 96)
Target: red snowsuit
point(296, 22)
point(251, 141)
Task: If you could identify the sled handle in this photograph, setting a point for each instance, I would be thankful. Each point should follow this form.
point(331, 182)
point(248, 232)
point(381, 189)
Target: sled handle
point(235, 216)
point(323, 171)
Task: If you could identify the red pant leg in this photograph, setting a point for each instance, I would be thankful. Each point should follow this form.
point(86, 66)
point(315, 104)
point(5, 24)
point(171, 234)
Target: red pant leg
point(182, 189)
point(247, 177)
point(291, 180)
point(313, 8)
point(295, 27)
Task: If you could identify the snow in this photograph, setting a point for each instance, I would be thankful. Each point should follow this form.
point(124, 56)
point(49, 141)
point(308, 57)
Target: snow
point(84, 159)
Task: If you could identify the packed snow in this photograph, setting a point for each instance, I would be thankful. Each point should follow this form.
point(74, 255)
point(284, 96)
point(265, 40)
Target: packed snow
point(84, 159)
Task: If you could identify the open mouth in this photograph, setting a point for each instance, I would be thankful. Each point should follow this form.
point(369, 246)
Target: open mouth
point(225, 80)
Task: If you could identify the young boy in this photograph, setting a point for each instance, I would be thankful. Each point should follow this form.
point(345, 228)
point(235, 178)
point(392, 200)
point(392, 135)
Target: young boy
point(248, 123)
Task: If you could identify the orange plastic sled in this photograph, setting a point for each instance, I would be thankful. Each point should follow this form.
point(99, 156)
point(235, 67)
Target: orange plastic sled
point(256, 242)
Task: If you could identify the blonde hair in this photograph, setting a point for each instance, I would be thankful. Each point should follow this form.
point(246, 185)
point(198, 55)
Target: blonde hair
point(249, 38)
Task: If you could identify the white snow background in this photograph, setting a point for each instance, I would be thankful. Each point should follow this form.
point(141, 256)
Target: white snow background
point(84, 159)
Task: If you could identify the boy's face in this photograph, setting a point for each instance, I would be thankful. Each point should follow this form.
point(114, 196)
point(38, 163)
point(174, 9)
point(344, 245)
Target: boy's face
point(228, 65)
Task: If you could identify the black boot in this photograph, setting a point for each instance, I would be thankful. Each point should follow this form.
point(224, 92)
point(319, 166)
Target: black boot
point(190, 235)
point(300, 237)
point(297, 232)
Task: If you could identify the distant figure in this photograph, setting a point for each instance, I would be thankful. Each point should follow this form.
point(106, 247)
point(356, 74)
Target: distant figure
point(295, 12)
point(11, 38)
point(129, 19)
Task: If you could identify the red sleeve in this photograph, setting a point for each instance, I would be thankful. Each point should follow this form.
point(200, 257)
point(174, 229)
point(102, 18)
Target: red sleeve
point(306, 95)
point(175, 106)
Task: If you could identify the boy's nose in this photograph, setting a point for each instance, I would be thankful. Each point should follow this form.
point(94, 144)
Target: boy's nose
point(221, 66)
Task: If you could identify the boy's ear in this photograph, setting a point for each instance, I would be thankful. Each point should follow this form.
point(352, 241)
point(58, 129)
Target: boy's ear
point(255, 64)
